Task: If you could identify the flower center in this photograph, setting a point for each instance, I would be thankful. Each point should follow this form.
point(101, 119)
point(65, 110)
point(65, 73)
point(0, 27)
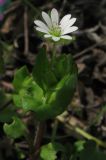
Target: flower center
point(55, 30)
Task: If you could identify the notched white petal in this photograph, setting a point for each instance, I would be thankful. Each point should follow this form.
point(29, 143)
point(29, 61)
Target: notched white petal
point(68, 24)
point(54, 16)
point(41, 30)
point(47, 19)
point(71, 22)
point(69, 30)
point(41, 24)
point(64, 25)
point(65, 18)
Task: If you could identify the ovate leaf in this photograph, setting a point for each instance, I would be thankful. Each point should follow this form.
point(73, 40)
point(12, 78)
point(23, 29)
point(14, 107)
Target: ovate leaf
point(64, 65)
point(30, 96)
point(79, 145)
point(16, 129)
point(42, 72)
point(19, 78)
point(49, 151)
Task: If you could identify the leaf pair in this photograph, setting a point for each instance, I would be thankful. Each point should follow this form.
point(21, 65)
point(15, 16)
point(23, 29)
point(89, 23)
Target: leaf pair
point(49, 89)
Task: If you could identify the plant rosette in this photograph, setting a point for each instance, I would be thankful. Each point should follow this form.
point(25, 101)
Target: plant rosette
point(49, 89)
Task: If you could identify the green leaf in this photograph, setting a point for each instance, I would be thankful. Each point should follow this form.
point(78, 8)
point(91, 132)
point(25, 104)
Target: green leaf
point(17, 100)
point(58, 100)
point(42, 72)
point(64, 65)
point(58, 96)
point(79, 145)
point(30, 96)
point(19, 78)
point(16, 129)
point(45, 94)
point(62, 95)
point(49, 151)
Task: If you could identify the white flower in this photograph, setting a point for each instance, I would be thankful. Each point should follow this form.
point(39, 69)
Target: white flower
point(55, 29)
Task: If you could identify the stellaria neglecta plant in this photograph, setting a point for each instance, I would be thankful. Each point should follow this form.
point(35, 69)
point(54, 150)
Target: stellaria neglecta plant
point(55, 29)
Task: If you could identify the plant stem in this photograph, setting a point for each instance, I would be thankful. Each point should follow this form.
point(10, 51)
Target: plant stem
point(54, 130)
point(90, 137)
point(53, 54)
point(82, 132)
point(38, 138)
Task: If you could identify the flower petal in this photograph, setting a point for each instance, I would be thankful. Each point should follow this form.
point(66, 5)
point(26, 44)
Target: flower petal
point(69, 30)
point(65, 22)
point(47, 35)
point(54, 16)
point(71, 22)
point(41, 30)
point(68, 24)
point(55, 38)
point(66, 37)
point(65, 19)
point(47, 19)
point(41, 24)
